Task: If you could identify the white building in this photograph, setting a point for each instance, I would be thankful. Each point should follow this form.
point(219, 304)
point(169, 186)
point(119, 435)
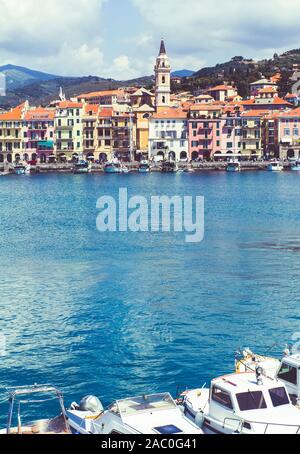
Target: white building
point(168, 135)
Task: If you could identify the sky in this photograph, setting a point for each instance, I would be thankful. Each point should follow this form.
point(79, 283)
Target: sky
point(120, 38)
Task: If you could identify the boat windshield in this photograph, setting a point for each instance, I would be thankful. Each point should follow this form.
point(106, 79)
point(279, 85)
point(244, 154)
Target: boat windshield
point(146, 404)
point(251, 401)
point(279, 397)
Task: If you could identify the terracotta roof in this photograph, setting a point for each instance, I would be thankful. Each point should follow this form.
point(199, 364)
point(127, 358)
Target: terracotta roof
point(254, 113)
point(170, 113)
point(221, 88)
point(205, 106)
point(290, 113)
point(93, 108)
point(99, 94)
point(275, 101)
point(13, 114)
point(70, 105)
point(106, 112)
point(39, 114)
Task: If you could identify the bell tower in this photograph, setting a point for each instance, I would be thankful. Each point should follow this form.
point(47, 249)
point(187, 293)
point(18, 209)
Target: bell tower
point(162, 79)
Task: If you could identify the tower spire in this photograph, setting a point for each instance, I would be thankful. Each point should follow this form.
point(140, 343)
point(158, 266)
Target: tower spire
point(162, 50)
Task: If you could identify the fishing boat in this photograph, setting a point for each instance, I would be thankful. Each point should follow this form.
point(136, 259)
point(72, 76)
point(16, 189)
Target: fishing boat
point(156, 414)
point(144, 167)
point(21, 169)
point(295, 166)
point(113, 167)
point(32, 395)
point(275, 166)
point(247, 403)
point(233, 166)
point(82, 167)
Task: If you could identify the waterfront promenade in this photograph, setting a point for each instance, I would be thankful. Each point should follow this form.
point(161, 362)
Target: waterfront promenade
point(134, 166)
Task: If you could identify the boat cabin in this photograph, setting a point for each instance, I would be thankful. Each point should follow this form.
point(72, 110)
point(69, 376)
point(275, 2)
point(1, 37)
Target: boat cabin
point(250, 403)
point(289, 374)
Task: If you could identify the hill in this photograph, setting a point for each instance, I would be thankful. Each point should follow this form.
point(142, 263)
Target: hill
point(241, 72)
point(18, 76)
point(183, 73)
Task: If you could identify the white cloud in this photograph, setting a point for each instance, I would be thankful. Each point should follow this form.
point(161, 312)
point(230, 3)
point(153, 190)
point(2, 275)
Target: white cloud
point(215, 30)
point(80, 37)
point(54, 35)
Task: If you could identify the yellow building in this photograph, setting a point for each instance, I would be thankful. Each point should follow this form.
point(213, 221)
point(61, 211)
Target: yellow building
point(11, 134)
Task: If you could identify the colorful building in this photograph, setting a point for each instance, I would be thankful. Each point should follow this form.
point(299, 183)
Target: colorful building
point(11, 126)
point(168, 135)
point(204, 130)
point(38, 134)
point(69, 130)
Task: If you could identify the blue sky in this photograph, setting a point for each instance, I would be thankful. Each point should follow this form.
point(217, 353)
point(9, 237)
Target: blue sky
point(120, 38)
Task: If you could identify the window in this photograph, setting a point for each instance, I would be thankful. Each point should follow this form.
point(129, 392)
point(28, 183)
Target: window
point(296, 132)
point(168, 430)
point(229, 145)
point(288, 373)
point(222, 398)
point(251, 401)
point(287, 132)
point(279, 397)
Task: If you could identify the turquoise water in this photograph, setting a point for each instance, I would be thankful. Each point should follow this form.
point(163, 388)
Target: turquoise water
point(120, 314)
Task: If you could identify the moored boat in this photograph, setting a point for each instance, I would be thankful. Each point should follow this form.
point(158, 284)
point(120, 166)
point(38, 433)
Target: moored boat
point(286, 371)
point(155, 414)
point(82, 167)
point(113, 167)
point(144, 167)
point(247, 403)
point(295, 166)
point(21, 169)
point(233, 166)
point(37, 394)
point(275, 166)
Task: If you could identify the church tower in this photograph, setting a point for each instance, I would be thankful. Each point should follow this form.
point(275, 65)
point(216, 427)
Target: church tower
point(162, 79)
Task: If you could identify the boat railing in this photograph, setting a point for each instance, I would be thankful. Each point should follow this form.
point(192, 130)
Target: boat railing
point(243, 422)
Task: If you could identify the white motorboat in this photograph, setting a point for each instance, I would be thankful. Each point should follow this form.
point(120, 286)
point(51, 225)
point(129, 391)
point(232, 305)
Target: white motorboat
point(275, 166)
point(247, 403)
point(144, 167)
point(32, 395)
point(21, 168)
point(154, 414)
point(82, 166)
point(286, 371)
point(233, 166)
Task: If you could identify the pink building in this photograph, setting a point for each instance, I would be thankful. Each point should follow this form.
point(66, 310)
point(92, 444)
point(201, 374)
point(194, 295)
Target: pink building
point(289, 134)
point(38, 134)
point(204, 130)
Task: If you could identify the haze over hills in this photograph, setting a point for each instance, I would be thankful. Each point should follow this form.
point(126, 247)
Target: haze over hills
point(40, 88)
point(18, 76)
